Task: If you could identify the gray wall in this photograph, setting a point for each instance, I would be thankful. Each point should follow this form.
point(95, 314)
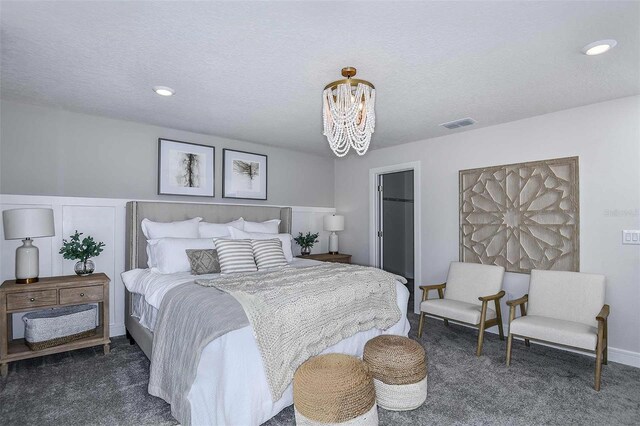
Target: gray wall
point(46, 151)
point(605, 136)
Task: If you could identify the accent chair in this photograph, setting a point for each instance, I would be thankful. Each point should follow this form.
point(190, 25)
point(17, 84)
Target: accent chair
point(465, 298)
point(563, 308)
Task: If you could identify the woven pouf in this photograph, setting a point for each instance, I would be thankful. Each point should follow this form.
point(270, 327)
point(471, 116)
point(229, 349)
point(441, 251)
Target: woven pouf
point(334, 389)
point(399, 368)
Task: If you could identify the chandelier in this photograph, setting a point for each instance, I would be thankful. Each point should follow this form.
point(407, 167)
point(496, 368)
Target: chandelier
point(348, 113)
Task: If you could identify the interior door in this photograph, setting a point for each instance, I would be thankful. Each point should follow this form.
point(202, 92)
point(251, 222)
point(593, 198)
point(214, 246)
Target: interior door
point(395, 229)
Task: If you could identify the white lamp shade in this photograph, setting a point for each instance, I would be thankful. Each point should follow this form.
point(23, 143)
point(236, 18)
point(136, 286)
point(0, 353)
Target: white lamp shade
point(27, 223)
point(334, 223)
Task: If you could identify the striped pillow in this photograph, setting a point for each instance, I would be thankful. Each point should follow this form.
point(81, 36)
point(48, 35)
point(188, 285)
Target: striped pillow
point(235, 256)
point(268, 253)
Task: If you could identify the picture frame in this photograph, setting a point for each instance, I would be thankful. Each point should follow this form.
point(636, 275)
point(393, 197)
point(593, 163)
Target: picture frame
point(244, 175)
point(185, 168)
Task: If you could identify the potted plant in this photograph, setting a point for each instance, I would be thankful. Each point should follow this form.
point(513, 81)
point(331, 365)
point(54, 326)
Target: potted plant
point(82, 251)
point(306, 242)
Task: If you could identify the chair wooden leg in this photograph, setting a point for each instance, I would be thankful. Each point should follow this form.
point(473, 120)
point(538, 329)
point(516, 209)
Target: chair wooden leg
point(599, 353)
point(509, 342)
point(523, 312)
point(606, 344)
point(420, 325)
point(480, 339)
point(598, 370)
point(499, 318)
point(483, 315)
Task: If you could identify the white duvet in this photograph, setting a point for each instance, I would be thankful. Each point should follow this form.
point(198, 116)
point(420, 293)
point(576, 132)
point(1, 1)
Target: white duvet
point(231, 386)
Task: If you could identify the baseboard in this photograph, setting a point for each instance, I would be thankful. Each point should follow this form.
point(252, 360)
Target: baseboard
point(621, 356)
point(116, 330)
point(625, 357)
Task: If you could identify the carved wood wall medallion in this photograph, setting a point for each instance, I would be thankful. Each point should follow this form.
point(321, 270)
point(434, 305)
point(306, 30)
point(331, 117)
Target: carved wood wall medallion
point(521, 216)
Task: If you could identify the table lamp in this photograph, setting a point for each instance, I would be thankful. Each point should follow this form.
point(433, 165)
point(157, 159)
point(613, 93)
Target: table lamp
point(333, 223)
point(25, 224)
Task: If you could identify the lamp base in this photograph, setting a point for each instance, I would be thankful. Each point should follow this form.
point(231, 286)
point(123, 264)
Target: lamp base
point(333, 243)
point(27, 280)
point(27, 269)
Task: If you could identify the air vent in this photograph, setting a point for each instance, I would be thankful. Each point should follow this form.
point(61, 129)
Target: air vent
point(459, 123)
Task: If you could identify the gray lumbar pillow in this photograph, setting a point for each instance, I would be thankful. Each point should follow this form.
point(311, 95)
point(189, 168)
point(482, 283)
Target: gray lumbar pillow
point(203, 261)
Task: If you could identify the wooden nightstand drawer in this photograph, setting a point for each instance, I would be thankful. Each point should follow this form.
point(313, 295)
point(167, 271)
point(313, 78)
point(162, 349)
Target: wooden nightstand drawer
point(31, 299)
point(328, 257)
point(81, 294)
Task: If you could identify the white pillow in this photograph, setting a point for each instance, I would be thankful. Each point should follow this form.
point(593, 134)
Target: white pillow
point(235, 256)
point(182, 229)
point(169, 254)
point(237, 234)
point(217, 230)
point(268, 253)
point(268, 227)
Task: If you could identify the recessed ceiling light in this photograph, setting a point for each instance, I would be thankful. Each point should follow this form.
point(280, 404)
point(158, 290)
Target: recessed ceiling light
point(164, 90)
point(598, 47)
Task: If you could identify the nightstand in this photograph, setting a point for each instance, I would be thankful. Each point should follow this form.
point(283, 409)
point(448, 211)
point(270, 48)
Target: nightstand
point(47, 293)
point(328, 257)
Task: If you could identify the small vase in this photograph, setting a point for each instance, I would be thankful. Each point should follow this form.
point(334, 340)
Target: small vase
point(305, 251)
point(84, 268)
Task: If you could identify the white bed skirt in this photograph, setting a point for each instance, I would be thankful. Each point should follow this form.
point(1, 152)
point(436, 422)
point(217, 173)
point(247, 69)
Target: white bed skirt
point(231, 387)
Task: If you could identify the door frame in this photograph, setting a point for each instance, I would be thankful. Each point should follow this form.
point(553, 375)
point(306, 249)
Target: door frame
point(374, 213)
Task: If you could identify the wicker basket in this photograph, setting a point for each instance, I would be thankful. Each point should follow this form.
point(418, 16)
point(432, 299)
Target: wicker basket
point(53, 327)
point(334, 389)
point(399, 368)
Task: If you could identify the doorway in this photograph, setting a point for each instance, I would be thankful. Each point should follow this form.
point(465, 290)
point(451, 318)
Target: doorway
point(396, 221)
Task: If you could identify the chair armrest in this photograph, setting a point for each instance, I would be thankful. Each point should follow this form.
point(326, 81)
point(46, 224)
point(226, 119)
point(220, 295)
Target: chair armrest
point(498, 295)
point(433, 287)
point(604, 313)
point(524, 299)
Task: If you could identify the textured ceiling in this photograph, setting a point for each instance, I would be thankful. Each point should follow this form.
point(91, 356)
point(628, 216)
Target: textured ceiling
point(255, 70)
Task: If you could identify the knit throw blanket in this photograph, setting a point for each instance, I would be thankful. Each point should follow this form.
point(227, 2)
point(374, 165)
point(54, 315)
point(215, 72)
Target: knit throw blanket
point(297, 313)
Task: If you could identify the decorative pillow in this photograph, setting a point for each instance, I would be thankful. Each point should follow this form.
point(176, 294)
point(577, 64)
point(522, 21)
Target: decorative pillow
point(268, 253)
point(183, 229)
point(237, 234)
point(235, 255)
point(170, 256)
point(203, 261)
point(218, 230)
point(268, 227)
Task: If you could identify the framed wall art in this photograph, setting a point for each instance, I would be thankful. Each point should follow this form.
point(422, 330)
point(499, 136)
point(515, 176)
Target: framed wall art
point(244, 175)
point(521, 216)
point(185, 168)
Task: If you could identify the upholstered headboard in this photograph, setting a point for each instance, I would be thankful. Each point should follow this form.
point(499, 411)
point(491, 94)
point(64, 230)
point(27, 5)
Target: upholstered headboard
point(136, 254)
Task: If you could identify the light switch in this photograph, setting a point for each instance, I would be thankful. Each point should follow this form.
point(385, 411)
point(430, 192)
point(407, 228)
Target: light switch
point(631, 237)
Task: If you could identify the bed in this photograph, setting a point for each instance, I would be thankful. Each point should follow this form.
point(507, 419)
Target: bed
point(230, 385)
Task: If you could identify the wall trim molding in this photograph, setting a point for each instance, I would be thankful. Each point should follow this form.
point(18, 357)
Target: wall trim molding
point(80, 213)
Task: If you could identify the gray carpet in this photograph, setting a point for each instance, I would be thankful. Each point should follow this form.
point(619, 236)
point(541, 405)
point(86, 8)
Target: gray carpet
point(543, 386)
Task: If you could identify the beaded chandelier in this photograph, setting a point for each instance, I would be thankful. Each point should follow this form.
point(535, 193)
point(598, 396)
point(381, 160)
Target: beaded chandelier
point(348, 113)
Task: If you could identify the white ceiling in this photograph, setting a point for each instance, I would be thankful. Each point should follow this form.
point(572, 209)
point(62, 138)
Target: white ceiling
point(255, 70)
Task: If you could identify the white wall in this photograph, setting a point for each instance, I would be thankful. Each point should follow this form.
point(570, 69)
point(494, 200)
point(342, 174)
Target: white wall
point(605, 136)
point(79, 155)
point(104, 219)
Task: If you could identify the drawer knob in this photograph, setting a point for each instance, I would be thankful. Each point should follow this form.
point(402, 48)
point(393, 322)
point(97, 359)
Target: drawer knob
point(33, 299)
point(81, 294)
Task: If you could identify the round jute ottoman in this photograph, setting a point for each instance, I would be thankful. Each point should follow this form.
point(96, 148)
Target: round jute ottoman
point(334, 389)
point(399, 368)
